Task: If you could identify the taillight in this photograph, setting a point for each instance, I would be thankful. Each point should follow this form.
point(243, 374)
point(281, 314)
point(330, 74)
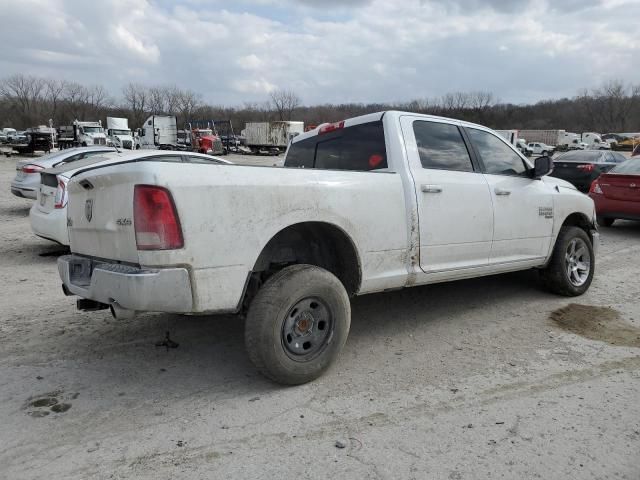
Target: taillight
point(587, 167)
point(155, 218)
point(331, 127)
point(31, 168)
point(61, 193)
point(595, 187)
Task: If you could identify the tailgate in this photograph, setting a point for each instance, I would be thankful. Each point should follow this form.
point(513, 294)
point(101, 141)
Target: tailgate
point(621, 187)
point(100, 213)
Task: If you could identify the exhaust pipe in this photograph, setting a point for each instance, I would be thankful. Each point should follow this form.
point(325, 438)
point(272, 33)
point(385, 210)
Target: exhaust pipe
point(120, 313)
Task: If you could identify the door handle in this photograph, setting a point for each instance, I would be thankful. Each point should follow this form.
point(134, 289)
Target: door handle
point(431, 188)
point(501, 191)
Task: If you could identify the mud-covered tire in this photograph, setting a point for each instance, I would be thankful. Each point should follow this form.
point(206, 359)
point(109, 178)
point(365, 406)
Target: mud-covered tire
point(605, 222)
point(555, 276)
point(284, 307)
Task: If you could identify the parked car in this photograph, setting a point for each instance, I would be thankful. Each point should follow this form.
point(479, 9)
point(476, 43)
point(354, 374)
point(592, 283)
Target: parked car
point(616, 194)
point(27, 179)
point(539, 148)
point(48, 215)
point(374, 203)
point(582, 167)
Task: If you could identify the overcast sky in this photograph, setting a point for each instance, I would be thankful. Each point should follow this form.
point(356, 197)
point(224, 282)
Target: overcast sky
point(327, 50)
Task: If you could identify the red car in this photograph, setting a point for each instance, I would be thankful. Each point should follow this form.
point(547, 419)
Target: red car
point(617, 193)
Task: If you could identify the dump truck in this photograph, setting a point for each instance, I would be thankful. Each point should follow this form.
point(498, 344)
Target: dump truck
point(81, 134)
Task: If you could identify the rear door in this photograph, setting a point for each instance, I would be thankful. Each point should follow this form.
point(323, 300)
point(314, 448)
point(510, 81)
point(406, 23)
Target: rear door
point(455, 213)
point(522, 206)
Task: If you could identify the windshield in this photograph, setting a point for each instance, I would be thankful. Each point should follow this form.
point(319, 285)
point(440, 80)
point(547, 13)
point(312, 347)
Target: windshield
point(203, 132)
point(120, 132)
point(92, 129)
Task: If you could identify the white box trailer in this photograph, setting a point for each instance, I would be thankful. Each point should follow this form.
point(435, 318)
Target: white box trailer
point(550, 137)
point(510, 136)
point(271, 137)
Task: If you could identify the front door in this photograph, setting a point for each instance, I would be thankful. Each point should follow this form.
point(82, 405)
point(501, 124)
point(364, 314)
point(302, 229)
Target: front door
point(453, 197)
point(523, 206)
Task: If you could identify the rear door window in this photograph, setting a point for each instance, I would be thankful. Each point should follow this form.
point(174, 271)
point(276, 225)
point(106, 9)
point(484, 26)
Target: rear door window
point(441, 146)
point(360, 148)
point(301, 154)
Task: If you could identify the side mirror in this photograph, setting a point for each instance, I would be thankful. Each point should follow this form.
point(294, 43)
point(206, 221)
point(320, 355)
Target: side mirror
point(542, 166)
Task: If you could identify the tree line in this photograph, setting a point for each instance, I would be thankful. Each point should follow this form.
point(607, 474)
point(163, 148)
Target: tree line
point(27, 100)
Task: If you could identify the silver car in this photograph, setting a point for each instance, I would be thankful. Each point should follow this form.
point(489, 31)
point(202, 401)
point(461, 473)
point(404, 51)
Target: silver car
point(27, 180)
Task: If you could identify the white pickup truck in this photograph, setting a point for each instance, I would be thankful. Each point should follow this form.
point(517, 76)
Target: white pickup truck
point(373, 203)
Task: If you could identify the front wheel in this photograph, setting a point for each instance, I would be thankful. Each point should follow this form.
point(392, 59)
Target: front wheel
point(570, 270)
point(297, 324)
point(544, 153)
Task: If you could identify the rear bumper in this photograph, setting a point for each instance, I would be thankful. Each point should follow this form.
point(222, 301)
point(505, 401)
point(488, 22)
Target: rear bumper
point(132, 288)
point(52, 225)
point(24, 192)
point(610, 208)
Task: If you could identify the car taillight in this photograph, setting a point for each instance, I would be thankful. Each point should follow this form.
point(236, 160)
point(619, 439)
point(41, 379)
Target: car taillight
point(31, 168)
point(331, 127)
point(61, 193)
point(155, 218)
point(587, 167)
point(595, 187)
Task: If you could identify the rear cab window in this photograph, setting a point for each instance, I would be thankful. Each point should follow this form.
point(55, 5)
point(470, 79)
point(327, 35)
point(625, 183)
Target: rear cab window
point(357, 148)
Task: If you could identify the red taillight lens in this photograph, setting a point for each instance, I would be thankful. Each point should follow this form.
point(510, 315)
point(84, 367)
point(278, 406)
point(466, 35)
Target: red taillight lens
point(31, 168)
point(587, 167)
point(595, 187)
point(155, 218)
point(61, 194)
point(331, 127)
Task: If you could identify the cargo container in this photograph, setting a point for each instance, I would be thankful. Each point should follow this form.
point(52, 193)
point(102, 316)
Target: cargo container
point(271, 137)
point(549, 137)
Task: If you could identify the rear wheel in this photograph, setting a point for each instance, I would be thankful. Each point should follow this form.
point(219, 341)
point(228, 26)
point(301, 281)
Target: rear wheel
point(605, 222)
point(297, 324)
point(544, 153)
point(570, 270)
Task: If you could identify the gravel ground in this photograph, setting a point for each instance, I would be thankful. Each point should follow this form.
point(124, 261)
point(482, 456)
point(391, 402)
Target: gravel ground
point(476, 379)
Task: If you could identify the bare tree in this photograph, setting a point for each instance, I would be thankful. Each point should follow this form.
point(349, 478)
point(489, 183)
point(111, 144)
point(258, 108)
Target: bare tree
point(285, 102)
point(54, 94)
point(25, 95)
point(187, 102)
point(136, 99)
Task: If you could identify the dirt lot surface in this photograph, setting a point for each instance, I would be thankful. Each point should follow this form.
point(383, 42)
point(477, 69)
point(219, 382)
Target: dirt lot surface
point(488, 378)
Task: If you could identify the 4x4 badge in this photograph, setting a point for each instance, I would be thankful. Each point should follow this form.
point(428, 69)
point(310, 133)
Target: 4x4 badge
point(88, 209)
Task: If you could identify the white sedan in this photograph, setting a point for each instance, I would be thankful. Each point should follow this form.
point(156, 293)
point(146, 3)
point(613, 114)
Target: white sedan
point(48, 215)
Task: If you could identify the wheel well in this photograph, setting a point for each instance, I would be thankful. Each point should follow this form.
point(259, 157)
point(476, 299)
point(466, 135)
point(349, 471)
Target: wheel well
point(579, 220)
point(314, 243)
